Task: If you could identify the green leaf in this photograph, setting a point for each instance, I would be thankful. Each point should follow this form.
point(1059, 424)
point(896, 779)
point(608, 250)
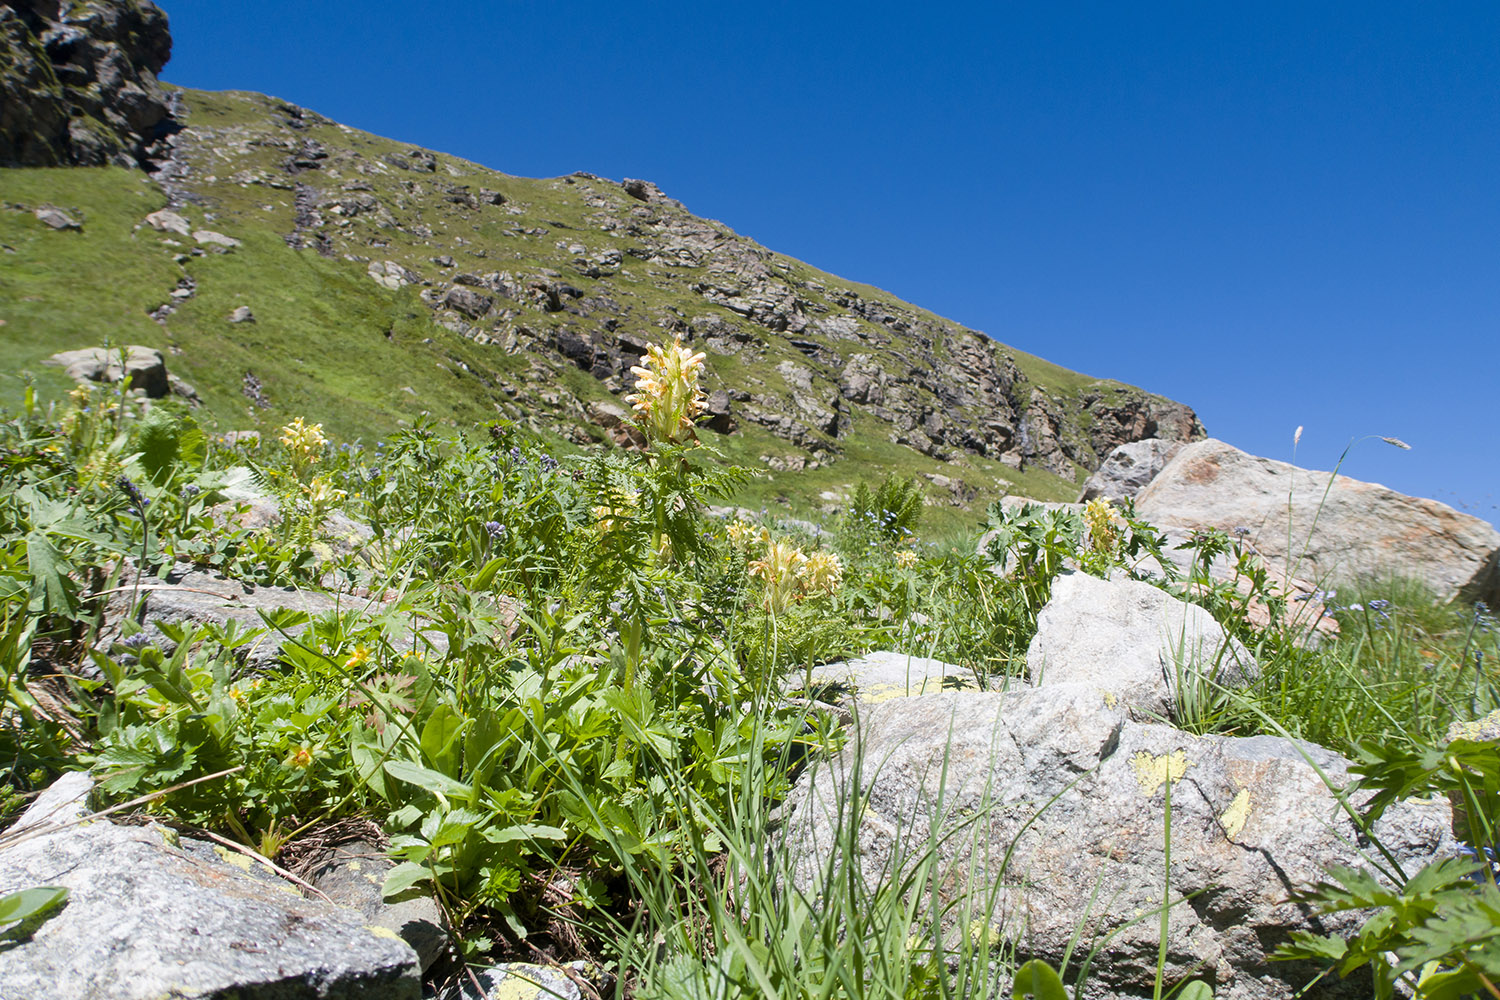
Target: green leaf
point(1037, 979)
point(403, 877)
point(486, 575)
point(439, 737)
point(29, 904)
point(425, 777)
point(1196, 990)
point(51, 590)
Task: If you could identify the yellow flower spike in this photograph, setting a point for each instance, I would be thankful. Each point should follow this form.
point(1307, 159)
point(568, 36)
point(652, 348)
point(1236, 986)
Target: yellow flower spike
point(822, 573)
point(1103, 524)
point(780, 569)
point(906, 559)
point(668, 395)
point(322, 493)
point(304, 441)
point(740, 532)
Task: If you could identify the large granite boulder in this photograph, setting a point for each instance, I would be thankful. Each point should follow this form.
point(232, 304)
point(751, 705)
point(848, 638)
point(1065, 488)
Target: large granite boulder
point(1057, 806)
point(150, 915)
point(1359, 530)
point(1134, 642)
point(1128, 469)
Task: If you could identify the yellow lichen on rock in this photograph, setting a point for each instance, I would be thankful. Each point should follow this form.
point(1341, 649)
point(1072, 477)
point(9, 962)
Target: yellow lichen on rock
point(1151, 772)
point(1233, 818)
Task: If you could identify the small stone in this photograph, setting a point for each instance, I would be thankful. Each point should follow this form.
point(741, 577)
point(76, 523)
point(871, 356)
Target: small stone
point(167, 221)
point(215, 239)
point(242, 314)
point(56, 218)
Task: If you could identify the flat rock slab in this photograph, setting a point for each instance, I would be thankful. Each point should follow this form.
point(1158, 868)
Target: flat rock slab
point(354, 876)
point(147, 918)
point(1046, 809)
point(883, 675)
point(1135, 642)
point(194, 596)
point(1359, 530)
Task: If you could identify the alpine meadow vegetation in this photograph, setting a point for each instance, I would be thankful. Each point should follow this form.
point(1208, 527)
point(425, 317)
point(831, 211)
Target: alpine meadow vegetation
point(571, 690)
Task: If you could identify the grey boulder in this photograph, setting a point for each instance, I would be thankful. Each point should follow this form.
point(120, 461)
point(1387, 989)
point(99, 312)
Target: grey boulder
point(151, 916)
point(1359, 530)
point(1044, 810)
point(1136, 643)
point(883, 675)
point(1129, 468)
point(353, 875)
point(143, 366)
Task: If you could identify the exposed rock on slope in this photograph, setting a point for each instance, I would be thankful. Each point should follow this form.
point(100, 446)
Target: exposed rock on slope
point(1357, 530)
point(78, 82)
point(532, 298)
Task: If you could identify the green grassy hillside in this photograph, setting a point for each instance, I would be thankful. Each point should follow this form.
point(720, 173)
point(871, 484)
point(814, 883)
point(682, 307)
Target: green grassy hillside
point(387, 281)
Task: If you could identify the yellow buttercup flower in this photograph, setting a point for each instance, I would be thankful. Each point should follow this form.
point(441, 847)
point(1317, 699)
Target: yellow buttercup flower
point(668, 396)
point(359, 657)
point(300, 758)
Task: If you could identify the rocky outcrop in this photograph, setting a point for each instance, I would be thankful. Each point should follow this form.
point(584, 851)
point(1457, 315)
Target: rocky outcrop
point(150, 914)
point(1139, 645)
point(78, 82)
point(1046, 809)
point(1358, 530)
point(1129, 469)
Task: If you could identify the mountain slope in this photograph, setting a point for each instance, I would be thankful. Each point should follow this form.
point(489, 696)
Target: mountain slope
point(385, 281)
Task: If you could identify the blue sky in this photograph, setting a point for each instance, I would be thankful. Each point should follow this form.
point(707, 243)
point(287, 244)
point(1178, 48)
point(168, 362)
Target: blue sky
point(1281, 214)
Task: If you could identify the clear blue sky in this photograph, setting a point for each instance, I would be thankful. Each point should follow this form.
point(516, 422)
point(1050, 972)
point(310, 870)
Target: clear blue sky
point(1279, 213)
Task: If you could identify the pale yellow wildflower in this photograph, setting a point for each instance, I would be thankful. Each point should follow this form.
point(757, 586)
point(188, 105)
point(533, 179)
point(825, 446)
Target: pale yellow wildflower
point(323, 493)
point(740, 533)
point(1103, 524)
point(780, 570)
point(608, 517)
point(668, 396)
point(822, 573)
point(359, 657)
point(906, 559)
point(304, 441)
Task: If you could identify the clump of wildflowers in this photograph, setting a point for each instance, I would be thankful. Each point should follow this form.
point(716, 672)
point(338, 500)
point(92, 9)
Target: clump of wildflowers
point(304, 442)
point(1103, 524)
point(789, 574)
point(906, 559)
point(668, 395)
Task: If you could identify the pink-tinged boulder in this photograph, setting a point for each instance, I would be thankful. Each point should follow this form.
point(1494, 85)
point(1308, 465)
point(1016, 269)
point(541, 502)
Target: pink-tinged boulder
point(1358, 530)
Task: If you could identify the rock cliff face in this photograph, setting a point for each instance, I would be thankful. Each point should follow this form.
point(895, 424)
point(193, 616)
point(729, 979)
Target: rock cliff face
point(78, 82)
point(539, 295)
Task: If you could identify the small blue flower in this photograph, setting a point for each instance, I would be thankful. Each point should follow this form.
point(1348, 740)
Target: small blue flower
point(496, 529)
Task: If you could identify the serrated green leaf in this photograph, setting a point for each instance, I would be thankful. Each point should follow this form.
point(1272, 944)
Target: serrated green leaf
point(402, 877)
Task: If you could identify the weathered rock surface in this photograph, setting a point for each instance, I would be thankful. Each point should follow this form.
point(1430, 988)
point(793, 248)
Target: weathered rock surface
point(1251, 822)
point(149, 916)
point(353, 875)
point(78, 82)
point(188, 595)
point(1128, 469)
point(516, 981)
point(883, 675)
point(1134, 642)
point(1360, 530)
